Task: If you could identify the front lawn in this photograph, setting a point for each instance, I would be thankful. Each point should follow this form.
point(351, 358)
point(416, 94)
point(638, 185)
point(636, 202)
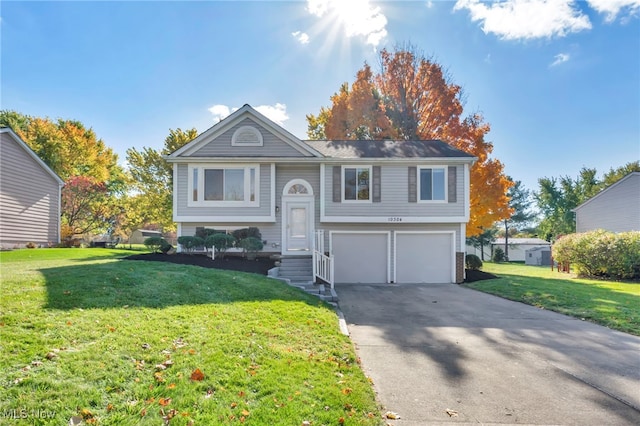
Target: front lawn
point(613, 304)
point(85, 335)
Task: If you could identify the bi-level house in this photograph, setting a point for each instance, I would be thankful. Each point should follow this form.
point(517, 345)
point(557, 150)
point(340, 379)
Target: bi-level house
point(365, 211)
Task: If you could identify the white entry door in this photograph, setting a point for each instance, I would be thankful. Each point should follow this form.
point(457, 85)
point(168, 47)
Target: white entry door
point(297, 226)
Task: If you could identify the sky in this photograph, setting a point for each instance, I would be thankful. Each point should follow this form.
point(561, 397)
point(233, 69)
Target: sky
point(558, 81)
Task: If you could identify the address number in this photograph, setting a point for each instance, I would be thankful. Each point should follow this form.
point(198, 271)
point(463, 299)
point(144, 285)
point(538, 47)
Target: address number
point(394, 219)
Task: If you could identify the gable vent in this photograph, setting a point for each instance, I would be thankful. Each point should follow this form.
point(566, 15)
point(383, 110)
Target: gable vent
point(247, 136)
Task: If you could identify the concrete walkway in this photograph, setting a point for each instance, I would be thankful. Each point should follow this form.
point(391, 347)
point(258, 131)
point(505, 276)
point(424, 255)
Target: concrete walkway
point(440, 354)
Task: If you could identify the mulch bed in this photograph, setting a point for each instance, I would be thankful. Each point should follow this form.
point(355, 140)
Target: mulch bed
point(233, 263)
point(477, 275)
point(259, 266)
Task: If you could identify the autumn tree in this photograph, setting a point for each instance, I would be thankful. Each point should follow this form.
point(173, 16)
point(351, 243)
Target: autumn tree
point(67, 147)
point(412, 98)
point(152, 183)
point(85, 206)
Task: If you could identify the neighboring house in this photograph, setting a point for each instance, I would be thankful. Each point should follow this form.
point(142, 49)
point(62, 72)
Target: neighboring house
point(538, 256)
point(615, 208)
point(371, 211)
point(139, 235)
point(518, 246)
point(29, 196)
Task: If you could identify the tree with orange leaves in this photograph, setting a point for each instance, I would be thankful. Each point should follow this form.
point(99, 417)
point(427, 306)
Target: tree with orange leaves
point(412, 98)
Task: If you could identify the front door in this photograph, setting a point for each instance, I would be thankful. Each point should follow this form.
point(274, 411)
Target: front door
point(297, 224)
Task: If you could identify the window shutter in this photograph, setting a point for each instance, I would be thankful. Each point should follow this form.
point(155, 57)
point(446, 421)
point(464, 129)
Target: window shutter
point(376, 181)
point(413, 184)
point(452, 184)
point(337, 184)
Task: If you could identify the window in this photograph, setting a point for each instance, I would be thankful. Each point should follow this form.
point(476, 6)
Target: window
point(357, 181)
point(225, 186)
point(432, 184)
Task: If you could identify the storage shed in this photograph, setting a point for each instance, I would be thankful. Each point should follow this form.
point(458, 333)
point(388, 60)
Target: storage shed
point(139, 235)
point(538, 256)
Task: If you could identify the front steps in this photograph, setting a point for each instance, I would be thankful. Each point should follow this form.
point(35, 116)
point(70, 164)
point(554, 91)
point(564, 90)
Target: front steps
point(297, 271)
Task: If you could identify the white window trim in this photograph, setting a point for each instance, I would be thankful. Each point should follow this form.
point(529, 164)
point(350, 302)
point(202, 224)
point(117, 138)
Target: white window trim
point(256, 132)
point(446, 184)
point(221, 203)
point(344, 181)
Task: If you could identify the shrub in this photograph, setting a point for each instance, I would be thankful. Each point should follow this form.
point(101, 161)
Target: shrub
point(498, 255)
point(206, 232)
point(473, 262)
point(600, 253)
point(155, 244)
point(165, 247)
point(221, 243)
point(31, 245)
point(244, 233)
point(251, 246)
point(189, 244)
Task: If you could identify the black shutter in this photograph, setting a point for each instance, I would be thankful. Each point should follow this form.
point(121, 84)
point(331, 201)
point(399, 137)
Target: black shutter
point(413, 184)
point(376, 181)
point(453, 193)
point(337, 184)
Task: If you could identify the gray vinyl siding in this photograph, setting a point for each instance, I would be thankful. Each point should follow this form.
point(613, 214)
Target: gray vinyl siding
point(264, 209)
point(310, 173)
point(29, 198)
point(394, 197)
point(431, 227)
point(616, 209)
point(272, 145)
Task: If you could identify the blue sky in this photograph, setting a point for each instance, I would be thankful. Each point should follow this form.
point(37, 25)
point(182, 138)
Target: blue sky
point(559, 82)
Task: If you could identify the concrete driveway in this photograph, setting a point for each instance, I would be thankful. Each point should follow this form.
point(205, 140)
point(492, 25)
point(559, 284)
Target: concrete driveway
point(444, 353)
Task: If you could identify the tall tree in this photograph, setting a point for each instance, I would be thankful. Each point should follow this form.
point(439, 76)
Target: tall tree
point(68, 147)
point(152, 183)
point(557, 197)
point(482, 239)
point(614, 175)
point(414, 99)
point(520, 203)
point(85, 206)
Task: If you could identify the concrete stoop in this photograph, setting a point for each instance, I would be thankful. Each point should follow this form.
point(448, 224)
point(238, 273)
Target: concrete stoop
point(324, 292)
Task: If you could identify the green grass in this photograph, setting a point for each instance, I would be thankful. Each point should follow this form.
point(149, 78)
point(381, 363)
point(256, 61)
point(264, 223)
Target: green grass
point(83, 333)
point(613, 304)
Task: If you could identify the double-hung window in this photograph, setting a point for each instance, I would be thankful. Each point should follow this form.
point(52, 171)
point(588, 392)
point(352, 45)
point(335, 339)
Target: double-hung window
point(356, 183)
point(432, 183)
point(224, 185)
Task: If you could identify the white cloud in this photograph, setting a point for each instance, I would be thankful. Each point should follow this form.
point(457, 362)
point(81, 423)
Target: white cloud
point(303, 38)
point(560, 58)
point(526, 19)
point(276, 113)
point(358, 17)
point(221, 111)
point(613, 7)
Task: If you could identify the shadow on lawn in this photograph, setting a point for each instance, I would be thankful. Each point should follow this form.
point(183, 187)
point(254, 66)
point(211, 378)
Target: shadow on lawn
point(127, 283)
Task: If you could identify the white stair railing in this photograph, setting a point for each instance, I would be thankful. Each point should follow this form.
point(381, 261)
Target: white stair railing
point(322, 264)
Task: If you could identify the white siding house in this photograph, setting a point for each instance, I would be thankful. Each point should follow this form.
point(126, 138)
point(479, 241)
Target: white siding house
point(29, 196)
point(380, 211)
point(614, 209)
point(517, 247)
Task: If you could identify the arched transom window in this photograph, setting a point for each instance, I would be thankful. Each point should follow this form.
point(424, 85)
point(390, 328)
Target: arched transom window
point(297, 187)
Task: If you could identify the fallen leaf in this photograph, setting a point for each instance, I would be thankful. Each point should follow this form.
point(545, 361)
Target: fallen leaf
point(451, 413)
point(234, 404)
point(51, 355)
point(347, 391)
point(158, 376)
point(164, 401)
point(75, 421)
point(146, 346)
point(245, 413)
point(171, 386)
point(209, 393)
point(109, 407)
point(197, 375)
point(160, 367)
point(391, 415)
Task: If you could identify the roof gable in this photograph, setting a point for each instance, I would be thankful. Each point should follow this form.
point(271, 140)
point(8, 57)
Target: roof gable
point(8, 131)
point(628, 179)
point(243, 116)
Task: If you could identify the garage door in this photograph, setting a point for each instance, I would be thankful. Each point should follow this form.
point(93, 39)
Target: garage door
point(424, 258)
point(360, 257)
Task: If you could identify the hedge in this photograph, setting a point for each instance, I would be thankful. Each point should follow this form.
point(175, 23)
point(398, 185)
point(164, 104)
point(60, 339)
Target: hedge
point(601, 253)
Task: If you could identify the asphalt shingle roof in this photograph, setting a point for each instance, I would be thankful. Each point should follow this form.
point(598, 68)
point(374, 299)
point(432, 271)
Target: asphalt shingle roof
point(386, 149)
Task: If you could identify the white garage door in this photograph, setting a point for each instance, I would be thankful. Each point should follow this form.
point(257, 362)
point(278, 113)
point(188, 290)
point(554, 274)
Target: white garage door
point(424, 258)
point(360, 258)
